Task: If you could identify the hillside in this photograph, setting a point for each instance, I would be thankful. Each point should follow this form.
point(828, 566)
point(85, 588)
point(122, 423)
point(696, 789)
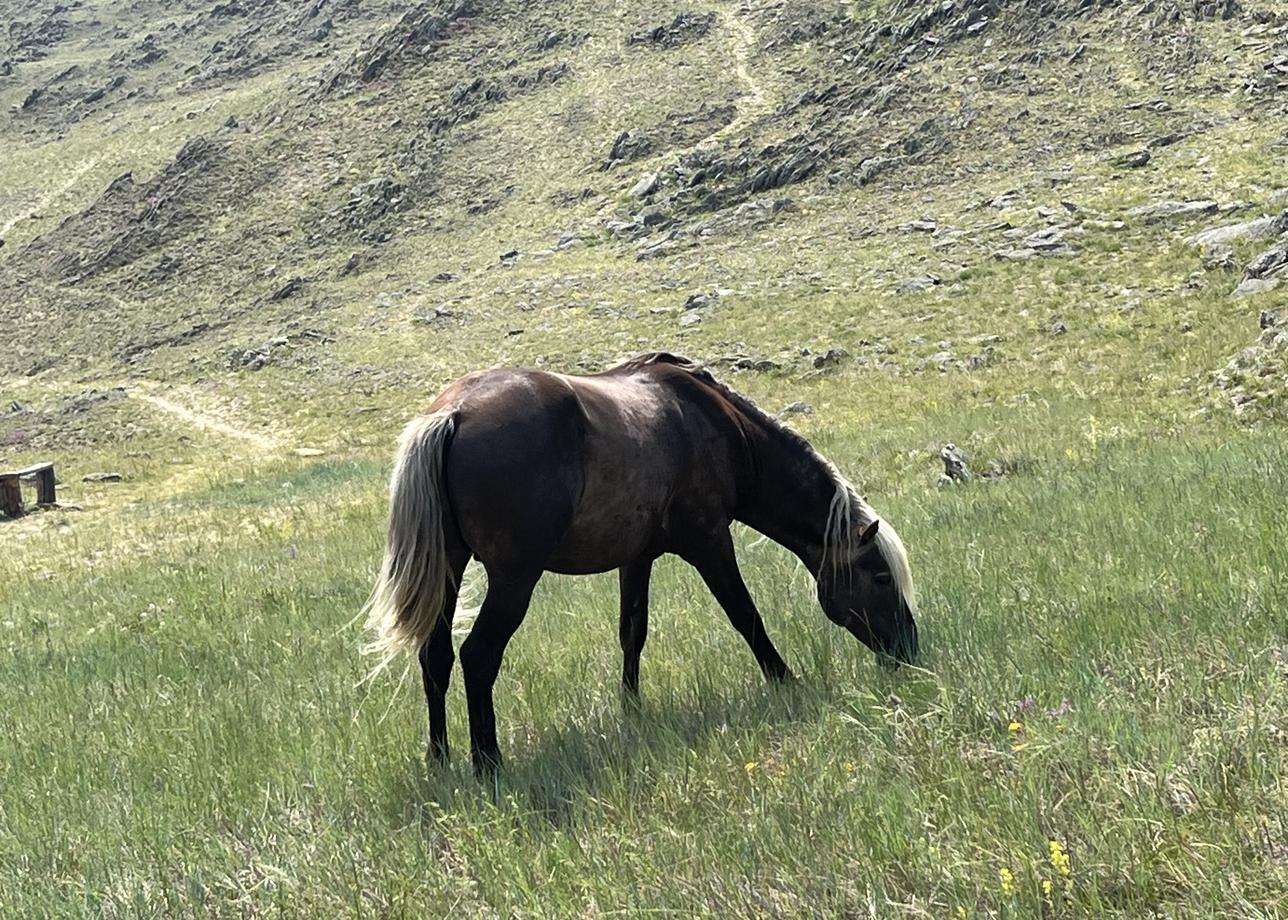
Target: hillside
point(242, 241)
point(290, 203)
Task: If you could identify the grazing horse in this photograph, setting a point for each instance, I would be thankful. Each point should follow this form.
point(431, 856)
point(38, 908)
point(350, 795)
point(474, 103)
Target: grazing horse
point(530, 472)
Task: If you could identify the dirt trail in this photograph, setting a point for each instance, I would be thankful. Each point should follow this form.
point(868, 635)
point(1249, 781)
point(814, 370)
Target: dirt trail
point(755, 103)
point(44, 200)
point(207, 421)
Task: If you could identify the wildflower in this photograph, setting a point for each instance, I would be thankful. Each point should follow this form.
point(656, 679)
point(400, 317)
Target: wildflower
point(1046, 888)
point(1059, 858)
point(1015, 727)
point(751, 765)
point(1007, 879)
point(1059, 710)
point(961, 911)
point(849, 767)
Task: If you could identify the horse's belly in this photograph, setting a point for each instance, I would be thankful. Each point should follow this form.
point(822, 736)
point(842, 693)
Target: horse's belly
point(608, 541)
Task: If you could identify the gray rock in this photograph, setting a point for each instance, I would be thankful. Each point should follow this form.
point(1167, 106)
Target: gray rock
point(1250, 286)
point(1259, 229)
point(647, 185)
point(289, 289)
point(1005, 200)
point(1217, 256)
point(1048, 241)
point(690, 318)
point(1135, 159)
point(102, 477)
point(831, 358)
point(651, 216)
point(1059, 328)
point(797, 408)
point(1162, 211)
point(1267, 263)
point(917, 283)
point(955, 468)
point(1015, 255)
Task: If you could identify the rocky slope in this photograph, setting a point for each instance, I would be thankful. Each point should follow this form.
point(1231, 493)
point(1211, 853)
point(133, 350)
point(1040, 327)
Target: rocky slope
point(192, 182)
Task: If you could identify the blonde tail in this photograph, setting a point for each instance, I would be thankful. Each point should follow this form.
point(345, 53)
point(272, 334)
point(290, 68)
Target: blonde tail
point(412, 587)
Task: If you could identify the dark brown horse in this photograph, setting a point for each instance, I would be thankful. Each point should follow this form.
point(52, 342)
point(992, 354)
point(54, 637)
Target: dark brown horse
point(530, 472)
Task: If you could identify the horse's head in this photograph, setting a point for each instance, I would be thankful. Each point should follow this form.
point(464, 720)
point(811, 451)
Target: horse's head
point(865, 586)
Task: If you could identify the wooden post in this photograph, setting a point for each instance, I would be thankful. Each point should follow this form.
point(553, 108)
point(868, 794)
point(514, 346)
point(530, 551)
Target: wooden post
point(10, 495)
point(46, 485)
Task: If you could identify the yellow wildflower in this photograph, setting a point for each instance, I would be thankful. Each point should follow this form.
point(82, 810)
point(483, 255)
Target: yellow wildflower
point(751, 765)
point(961, 911)
point(1059, 858)
point(1015, 727)
point(1046, 888)
point(1007, 879)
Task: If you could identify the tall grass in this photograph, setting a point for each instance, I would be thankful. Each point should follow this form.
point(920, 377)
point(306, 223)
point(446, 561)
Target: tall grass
point(1105, 670)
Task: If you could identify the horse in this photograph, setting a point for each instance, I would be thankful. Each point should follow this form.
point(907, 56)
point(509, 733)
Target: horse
point(531, 472)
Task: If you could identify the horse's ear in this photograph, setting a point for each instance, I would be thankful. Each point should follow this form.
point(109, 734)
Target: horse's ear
point(869, 533)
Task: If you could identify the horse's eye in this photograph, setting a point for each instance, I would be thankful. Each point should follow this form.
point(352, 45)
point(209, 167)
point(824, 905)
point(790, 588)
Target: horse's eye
point(883, 578)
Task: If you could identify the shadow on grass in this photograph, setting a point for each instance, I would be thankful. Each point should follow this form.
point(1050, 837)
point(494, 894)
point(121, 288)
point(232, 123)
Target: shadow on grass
point(629, 746)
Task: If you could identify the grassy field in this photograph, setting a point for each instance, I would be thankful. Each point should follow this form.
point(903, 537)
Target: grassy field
point(1097, 727)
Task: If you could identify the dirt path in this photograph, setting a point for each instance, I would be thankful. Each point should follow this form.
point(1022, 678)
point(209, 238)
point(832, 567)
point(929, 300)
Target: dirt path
point(751, 105)
point(44, 200)
point(207, 420)
point(742, 42)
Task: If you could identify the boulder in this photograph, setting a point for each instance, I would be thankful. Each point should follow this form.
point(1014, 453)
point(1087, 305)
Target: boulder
point(1164, 211)
point(1259, 229)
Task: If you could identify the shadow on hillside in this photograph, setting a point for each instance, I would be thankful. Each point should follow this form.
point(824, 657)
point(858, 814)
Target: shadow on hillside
point(578, 761)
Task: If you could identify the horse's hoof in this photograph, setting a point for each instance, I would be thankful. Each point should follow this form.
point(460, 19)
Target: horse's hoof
point(487, 766)
point(631, 701)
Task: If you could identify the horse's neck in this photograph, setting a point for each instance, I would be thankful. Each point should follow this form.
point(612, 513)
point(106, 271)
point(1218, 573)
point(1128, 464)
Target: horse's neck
point(791, 496)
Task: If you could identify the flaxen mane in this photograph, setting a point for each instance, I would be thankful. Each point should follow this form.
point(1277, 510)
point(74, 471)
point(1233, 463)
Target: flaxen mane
point(848, 512)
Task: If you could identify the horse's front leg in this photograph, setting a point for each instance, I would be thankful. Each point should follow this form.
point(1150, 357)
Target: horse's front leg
point(633, 579)
point(503, 610)
point(715, 561)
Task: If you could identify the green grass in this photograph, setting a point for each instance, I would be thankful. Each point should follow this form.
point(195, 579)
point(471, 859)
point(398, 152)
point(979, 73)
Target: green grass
point(191, 734)
point(186, 726)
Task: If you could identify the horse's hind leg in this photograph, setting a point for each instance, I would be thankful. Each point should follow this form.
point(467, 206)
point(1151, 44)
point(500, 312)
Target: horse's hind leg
point(503, 610)
point(633, 627)
point(436, 659)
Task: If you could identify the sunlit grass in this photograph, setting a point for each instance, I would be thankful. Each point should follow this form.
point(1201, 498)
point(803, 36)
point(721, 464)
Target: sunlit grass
point(1096, 727)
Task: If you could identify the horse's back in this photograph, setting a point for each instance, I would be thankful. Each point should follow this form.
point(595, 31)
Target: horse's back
point(581, 472)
